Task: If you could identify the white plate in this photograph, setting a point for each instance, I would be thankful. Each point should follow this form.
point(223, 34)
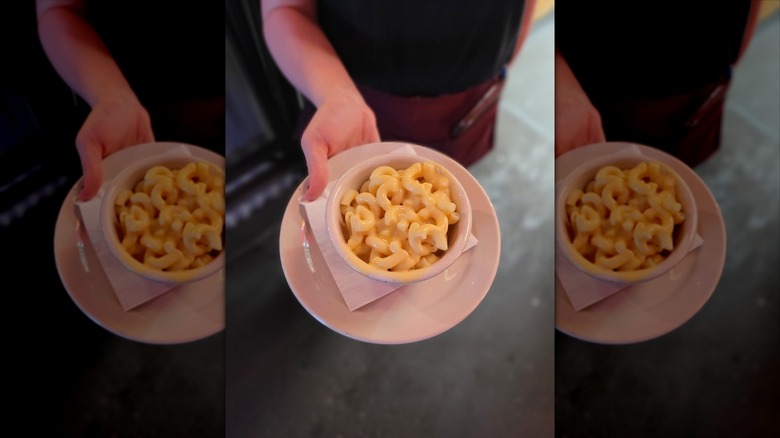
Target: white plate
point(187, 313)
point(648, 310)
point(413, 312)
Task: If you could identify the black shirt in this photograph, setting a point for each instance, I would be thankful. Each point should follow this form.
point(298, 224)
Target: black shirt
point(632, 49)
point(422, 47)
point(165, 48)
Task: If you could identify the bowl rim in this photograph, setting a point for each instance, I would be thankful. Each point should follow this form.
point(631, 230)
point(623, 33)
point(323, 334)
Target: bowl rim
point(111, 237)
point(457, 244)
point(587, 170)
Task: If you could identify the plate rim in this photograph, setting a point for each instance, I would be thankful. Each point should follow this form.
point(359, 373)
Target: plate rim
point(721, 231)
point(291, 207)
point(66, 208)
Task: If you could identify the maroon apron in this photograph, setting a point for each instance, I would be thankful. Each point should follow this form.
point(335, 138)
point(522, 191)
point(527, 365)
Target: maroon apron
point(197, 121)
point(461, 125)
point(686, 125)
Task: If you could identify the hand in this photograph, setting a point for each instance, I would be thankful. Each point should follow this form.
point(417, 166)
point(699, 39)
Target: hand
point(342, 121)
point(577, 121)
point(117, 120)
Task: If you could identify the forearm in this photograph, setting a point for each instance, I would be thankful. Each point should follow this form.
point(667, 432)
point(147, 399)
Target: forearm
point(303, 52)
point(750, 26)
point(577, 121)
point(77, 53)
point(564, 76)
point(525, 26)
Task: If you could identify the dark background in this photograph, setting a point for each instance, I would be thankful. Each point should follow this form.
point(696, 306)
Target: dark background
point(67, 375)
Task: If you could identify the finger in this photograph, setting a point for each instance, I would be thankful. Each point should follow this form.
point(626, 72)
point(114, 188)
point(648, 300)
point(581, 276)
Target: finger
point(92, 167)
point(373, 136)
point(372, 131)
point(597, 129)
point(146, 134)
point(563, 147)
point(558, 150)
point(597, 135)
point(317, 163)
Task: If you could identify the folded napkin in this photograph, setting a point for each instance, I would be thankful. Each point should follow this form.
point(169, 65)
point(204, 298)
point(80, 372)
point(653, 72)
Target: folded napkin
point(131, 289)
point(356, 288)
point(584, 290)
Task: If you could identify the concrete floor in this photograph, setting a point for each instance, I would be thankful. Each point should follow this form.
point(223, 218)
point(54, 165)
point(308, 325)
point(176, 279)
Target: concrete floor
point(491, 375)
point(717, 375)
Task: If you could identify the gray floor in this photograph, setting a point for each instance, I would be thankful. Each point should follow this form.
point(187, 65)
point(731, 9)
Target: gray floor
point(717, 375)
point(492, 375)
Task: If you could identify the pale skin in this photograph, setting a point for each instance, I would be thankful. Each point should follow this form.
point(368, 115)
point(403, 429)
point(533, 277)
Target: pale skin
point(117, 119)
point(343, 119)
point(304, 54)
point(577, 121)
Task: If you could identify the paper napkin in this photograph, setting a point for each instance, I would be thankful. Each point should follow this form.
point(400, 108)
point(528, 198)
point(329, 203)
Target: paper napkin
point(584, 290)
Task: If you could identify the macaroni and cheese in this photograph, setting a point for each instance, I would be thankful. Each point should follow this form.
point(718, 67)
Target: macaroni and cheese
point(399, 219)
point(625, 219)
point(172, 220)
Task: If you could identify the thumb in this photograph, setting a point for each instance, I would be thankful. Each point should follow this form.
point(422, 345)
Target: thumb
point(596, 128)
point(147, 136)
point(372, 132)
point(317, 163)
point(597, 134)
point(92, 167)
point(146, 133)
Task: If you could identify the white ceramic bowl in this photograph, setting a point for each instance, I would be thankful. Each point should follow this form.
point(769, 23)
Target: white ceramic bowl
point(127, 179)
point(580, 177)
point(457, 234)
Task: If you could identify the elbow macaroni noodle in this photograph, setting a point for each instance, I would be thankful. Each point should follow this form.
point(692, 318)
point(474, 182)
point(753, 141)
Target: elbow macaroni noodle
point(398, 220)
point(625, 220)
point(173, 218)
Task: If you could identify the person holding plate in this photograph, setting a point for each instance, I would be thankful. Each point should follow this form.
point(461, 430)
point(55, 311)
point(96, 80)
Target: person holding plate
point(428, 73)
point(653, 76)
point(146, 73)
